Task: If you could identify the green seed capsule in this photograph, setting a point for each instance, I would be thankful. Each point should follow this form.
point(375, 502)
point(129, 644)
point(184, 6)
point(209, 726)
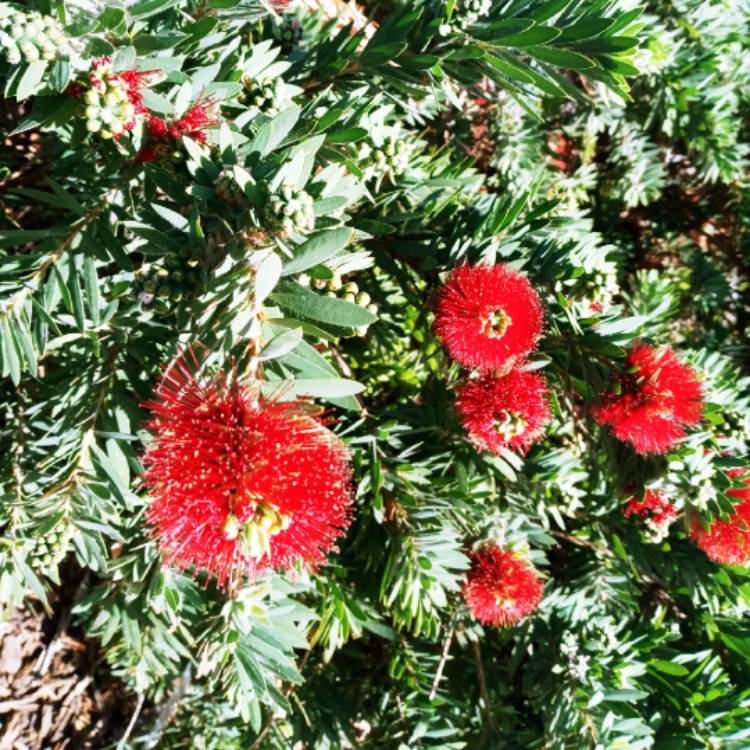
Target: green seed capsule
point(363, 298)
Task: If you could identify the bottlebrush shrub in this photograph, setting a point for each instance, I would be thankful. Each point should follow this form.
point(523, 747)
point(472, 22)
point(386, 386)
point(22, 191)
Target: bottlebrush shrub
point(456, 276)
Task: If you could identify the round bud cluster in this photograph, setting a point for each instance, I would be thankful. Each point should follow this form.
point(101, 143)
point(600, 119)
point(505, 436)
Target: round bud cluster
point(289, 33)
point(50, 549)
point(466, 13)
point(347, 291)
point(109, 111)
point(388, 160)
point(176, 279)
point(227, 189)
point(288, 211)
point(269, 95)
point(601, 290)
point(31, 37)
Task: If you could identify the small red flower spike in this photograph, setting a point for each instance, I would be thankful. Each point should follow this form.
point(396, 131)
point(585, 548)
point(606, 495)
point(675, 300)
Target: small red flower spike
point(654, 510)
point(501, 587)
point(728, 541)
point(655, 400)
point(488, 317)
point(509, 411)
point(240, 483)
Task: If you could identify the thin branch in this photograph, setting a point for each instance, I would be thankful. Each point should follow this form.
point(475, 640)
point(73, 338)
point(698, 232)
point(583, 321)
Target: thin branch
point(582, 542)
point(169, 707)
point(490, 719)
point(133, 719)
point(443, 660)
point(267, 728)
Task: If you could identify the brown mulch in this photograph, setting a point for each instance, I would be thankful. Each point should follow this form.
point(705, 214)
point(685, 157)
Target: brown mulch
point(55, 691)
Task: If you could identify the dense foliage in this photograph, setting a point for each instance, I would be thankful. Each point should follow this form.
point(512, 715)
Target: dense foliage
point(283, 191)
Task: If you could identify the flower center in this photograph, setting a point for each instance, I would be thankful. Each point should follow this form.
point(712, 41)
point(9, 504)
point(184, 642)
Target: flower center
point(496, 324)
point(503, 601)
point(509, 424)
point(254, 534)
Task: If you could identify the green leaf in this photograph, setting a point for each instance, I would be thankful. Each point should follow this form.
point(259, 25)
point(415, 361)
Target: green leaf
point(273, 132)
point(267, 275)
point(282, 344)
point(123, 58)
point(608, 44)
point(534, 36)
point(328, 388)
point(75, 293)
point(11, 360)
point(31, 579)
point(307, 304)
point(31, 79)
point(157, 102)
point(59, 76)
point(669, 667)
point(349, 135)
point(151, 7)
point(561, 58)
point(319, 248)
point(91, 287)
point(585, 29)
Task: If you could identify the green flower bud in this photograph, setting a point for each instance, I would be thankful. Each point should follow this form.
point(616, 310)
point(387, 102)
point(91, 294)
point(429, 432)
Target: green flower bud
point(93, 125)
point(30, 52)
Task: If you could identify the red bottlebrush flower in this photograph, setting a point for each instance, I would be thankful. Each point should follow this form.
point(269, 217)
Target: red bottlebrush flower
point(239, 482)
point(501, 587)
point(134, 80)
point(146, 154)
point(161, 131)
point(510, 411)
point(655, 510)
point(488, 317)
point(728, 541)
point(655, 400)
point(193, 122)
point(157, 127)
